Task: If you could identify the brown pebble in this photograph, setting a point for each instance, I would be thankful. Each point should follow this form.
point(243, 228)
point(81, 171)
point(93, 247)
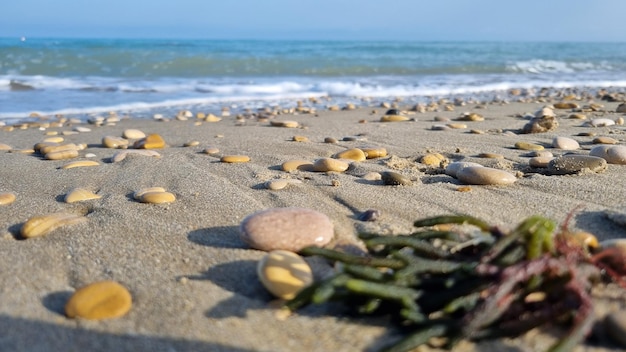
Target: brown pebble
point(300, 139)
point(114, 142)
point(391, 178)
point(528, 146)
point(434, 160)
point(565, 105)
point(7, 198)
point(191, 144)
point(329, 164)
point(286, 124)
point(61, 155)
point(491, 156)
point(235, 159)
point(471, 116)
point(330, 140)
point(99, 300)
point(464, 189)
point(571, 164)
point(604, 140)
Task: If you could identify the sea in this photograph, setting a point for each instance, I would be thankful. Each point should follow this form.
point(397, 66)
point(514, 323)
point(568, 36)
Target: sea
point(141, 77)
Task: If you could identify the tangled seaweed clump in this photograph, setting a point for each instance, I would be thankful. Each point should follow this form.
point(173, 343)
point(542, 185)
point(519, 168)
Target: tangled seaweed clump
point(476, 283)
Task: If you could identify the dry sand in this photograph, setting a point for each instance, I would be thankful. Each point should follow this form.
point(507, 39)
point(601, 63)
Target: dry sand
point(194, 282)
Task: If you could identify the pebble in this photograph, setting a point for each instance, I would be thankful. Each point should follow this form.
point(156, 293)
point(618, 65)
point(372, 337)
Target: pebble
point(540, 161)
point(528, 146)
point(565, 143)
point(456, 126)
point(491, 156)
point(578, 116)
point(133, 134)
point(394, 115)
point(5, 146)
point(355, 154)
point(157, 197)
point(114, 142)
point(615, 326)
point(54, 140)
point(545, 112)
point(235, 159)
point(79, 195)
point(330, 140)
point(286, 124)
point(434, 160)
point(42, 225)
point(62, 154)
point(453, 168)
point(121, 155)
point(286, 228)
point(440, 128)
point(191, 144)
point(621, 108)
point(276, 185)
point(7, 198)
point(613, 154)
point(571, 164)
point(391, 178)
point(212, 118)
point(80, 163)
point(138, 194)
point(471, 116)
point(543, 153)
point(374, 152)
point(565, 105)
point(485, 176)
point(82, 129)
point(541, 125)
point(284, 273)
point(151, 141)
point(601, 122)
point(604, 140)
point(300, 138)
point(329, 164)
point(372, 176)
point(211, 150)
point(99, 300)
point(296, 164)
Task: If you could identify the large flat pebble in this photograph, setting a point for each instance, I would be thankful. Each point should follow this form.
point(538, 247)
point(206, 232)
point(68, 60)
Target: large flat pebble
point(100, 300)
point(284, 273)
point(286, 228)
point(571, 164)
point(485, 176)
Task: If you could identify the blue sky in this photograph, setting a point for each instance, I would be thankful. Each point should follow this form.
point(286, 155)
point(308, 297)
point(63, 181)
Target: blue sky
point(500, 20)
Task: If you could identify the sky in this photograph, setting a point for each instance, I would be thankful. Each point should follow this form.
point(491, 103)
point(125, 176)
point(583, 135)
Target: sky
point(420, 20)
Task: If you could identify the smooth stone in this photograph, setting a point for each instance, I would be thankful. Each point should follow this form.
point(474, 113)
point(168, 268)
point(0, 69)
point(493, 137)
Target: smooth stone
point(212, 118)
point(114, 142)
point(329, 164)
point(151, 141)
point(541, 125)
point(615, 326)
point(61, 155)
point(613, 154)
point(138, 194)
point(133, 134)
point(604, 140)
point(59, 148)
point(211, 150)
point(284, 273)
point(54, 140)
point(601, 122)
point(434, 160)
point(621, 108)
point(456, 126)
point(374, 152)
point(80, 163)
point(571, 164)
point(543, 153)
point(470, 116)
point(565, 105)
point(578, 116)
point(99, 300)
point(355, 154)
point(235, 159)
point(79, 195)
point(7, 198)
point(528, 146)
point(330, 140)
point(121, 155)
point(82, 129)
point(5, 146)
point(191, 144)
point(453, 168)
point(391, 178)
point(545, 112)
point(491, 156)
point(286, 124)
point(565, 143)
point(440, 128)
point(157, 198)
point(297, 165)
point(286, 228)
point(485, 176)
point(372, 176)
point(38, 226)
point(540, 161)
point(300, 138)
point(276, 185)
point(394, 118)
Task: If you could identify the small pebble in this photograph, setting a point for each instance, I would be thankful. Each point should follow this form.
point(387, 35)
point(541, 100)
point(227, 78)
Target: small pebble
point(571, 164)
point(235, 159)
point(286, 228)
point(613, 154)
point(434, 160)
point(601, 122)
point(61, 155)
point(329, 164)
point(133, 134)
point(191, 144)
point(80, 163)
point(456, 126)
point(99, 300)
point(528, 146)
point(114, 142)
point(300, 139)
point(54, 139)
point(284, 273)
point(372, 176)
point(7, 198)
point(286, 124)
point(330, 140)
point(374, 152)
point(604, 140)
point(464, 189)
point(79, 195)
point(276, 185)
point(565, 143)
point(485, 176)
point(491, 156)
point(82, 129)
point(211, 150)
point(578, 116)
point(354, 154)
point(151, 141)
point(296, 164)
point(138, 194)
point(5, 146)
point(453, 168)
point(565, 105)
point(121, 155)
point(38, 226)
point(394, 118)
point(471, 116)
point(540, 161)
point(543, 153)
point(391, 178)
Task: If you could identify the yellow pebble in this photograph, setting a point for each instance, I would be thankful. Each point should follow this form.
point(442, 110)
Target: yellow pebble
point(528, 146)
point(152, 141)
point(212, 118)
point(42, 225)
point(7, 198)
point(433, 159)
point(328, 164)
point(100, 300)
point(79, 195)
point(235, 159)
point(287, 124)
point(45, 149)
point(54, 139)
point(293, 165)
point(300, 139)
point(5, 146)
point(80, 163)
point(372, 153)
point(351, 154)
point(114, 142)
point(284, 273)
point(157, 197)
point(394, 118)
point(60, 155)
point(138, 194)
point(191, 144)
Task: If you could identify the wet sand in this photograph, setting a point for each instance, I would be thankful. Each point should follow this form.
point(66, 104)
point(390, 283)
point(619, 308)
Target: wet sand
point(193, 281)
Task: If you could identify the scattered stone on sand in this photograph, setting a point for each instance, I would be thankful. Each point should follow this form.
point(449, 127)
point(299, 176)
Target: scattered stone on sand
point(300, 138)
point(565, 143)
point(540, 161)
point(154, 195)
point(372, 176)
point(79, 195)
point(121, 155)
point(621, 108)
point(132, 133)
point(456, 126)
point(82, 129)
point(330, 165)
point(331, 140)
point(354, 154)
point(391, 178)
point(286, 124)
point(284, 273)
point(115, 142)
point(211, 150)
point(62, 154)
point(7, 198)
point(613, 154)
point(543, 153)
point(54, 140)
point(490, 156)
point(394, 115)
point(235, 159)
point(38, 226)
point(578, 116)
point(434, 160)
point(191, 144)
point(545, 112)
point(5, 146)
point(279, 184)
point(528, 146)
point(601, 122)
point(453, 168)
point(485, 176)
point(297, 165)
point(374, 152)
point(151, 141)
point(80, 163)
point(470, 116)
point(99, 300)
point(565, 105)
point(572, 164)
point(615, 326)
point(604, 140)
point(286, 228)
point(540, 125)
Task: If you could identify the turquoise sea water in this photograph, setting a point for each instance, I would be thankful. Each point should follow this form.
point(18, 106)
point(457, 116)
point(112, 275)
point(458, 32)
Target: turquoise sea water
point(140, 77)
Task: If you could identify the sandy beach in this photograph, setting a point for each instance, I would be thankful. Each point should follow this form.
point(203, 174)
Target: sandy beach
point(192, 279)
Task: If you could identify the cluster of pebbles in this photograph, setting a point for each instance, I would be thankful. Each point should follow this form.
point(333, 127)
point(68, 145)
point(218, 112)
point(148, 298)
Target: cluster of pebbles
point(282, 232)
